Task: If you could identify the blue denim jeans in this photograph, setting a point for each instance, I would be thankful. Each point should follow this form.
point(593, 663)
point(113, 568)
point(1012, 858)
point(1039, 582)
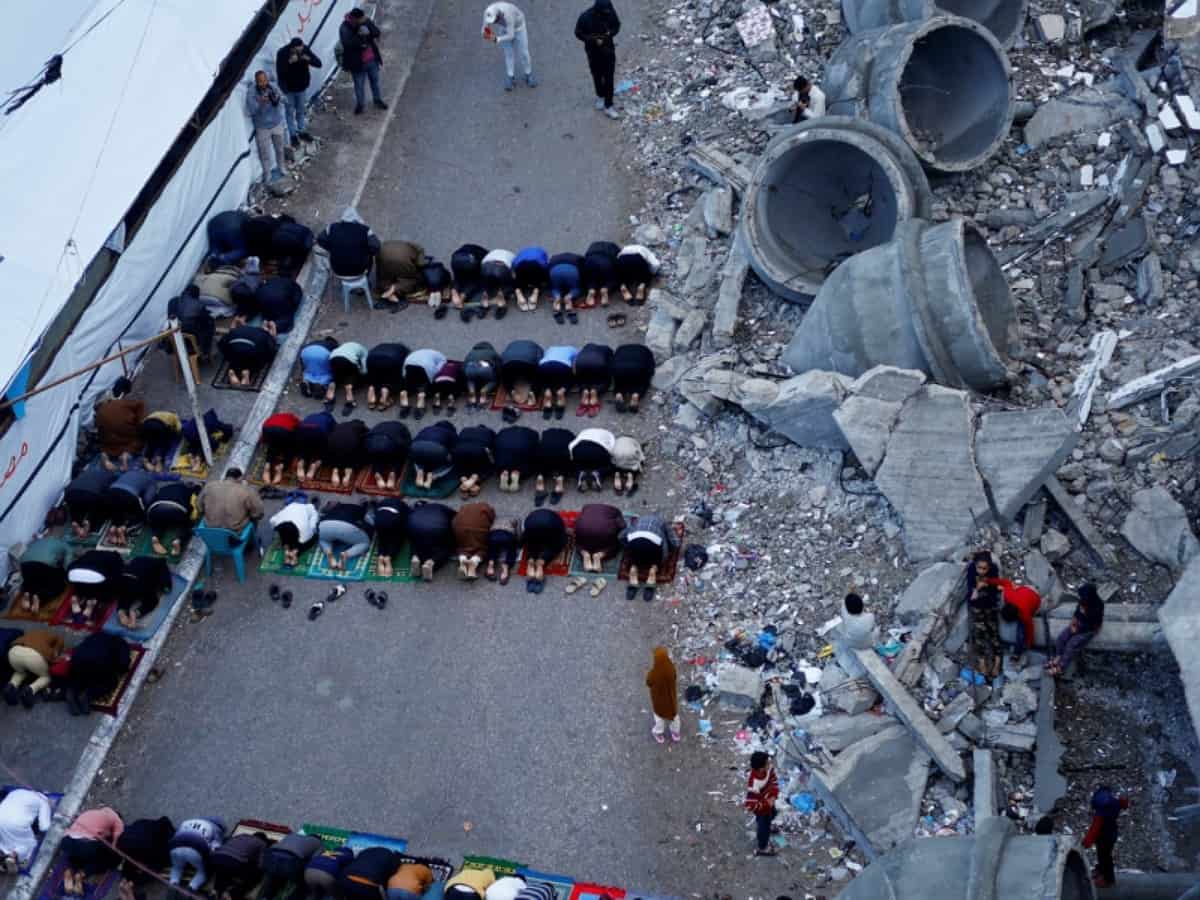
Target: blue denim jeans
point(295, 107)
point(369, 72)
point(518, 46)
point(181, 858)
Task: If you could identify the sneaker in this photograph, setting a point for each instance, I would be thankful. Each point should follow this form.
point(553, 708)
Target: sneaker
point(531, 80)
point(27, 697)
point(508, 83)
point(295, 141)
point(306, 137)
point(379, 104)
point(10, 694)
point(358, 111)
point(675, 737)
point(611, 113)
point(600, 103)
point(658, 738)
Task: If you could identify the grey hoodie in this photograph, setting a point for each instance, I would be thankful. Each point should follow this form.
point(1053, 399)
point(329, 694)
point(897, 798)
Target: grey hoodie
point(264, 114)
point(656, 529)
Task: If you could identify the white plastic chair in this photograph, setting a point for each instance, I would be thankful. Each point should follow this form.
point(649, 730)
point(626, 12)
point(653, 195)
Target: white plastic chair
point(357, 283)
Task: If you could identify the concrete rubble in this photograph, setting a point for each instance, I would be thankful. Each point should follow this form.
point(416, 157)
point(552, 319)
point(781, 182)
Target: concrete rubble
point(1157, 527)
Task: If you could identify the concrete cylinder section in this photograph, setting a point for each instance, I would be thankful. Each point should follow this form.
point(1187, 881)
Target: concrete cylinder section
point(934, 299)
point(943, 85)
point(1003, 18)
point(822, 192)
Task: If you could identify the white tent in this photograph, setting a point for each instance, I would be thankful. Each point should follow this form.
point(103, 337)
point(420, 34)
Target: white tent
point(72, 160)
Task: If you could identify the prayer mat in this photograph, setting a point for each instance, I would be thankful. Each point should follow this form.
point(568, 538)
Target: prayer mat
point(583, 891)
point(192, 465)
point(97, 462)
point(442, 487)
point(501, 399)
point(356, 568)
point(105, 542)
point(668, 570)
point(94, 889)
point(401, 569)
point(143, 544)
point(86, 543)
point(45, 614)
point(221, 379)
point(65, 618)
point(496, 864)
point(610, 568)
point(274, 832)
point(55, 798)
point(323, 482)
point(561, 564)
point(258, 471)
point(366, 483)
point(561, 883)
point(111, 702)
point(148, 625)
point(272, 562)
point(333, 838)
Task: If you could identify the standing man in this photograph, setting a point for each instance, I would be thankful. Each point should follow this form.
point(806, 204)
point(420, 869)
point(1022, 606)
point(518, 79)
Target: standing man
point(504, 24)
point(762, 790)
point(597, 27)
point(361, 56)
point(264, 105)
point(292, 64)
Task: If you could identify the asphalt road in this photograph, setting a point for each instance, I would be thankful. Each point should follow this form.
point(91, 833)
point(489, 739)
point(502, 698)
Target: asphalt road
point(467, 718)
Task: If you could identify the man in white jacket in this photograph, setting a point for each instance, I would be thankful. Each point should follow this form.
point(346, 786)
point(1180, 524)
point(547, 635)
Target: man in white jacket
point(504, 24)
point(857, 632)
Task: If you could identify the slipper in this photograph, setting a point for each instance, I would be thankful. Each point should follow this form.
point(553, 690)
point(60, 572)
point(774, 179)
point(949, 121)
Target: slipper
point(573, 317)
point(510, 414)
point(547, 412)
point(616, 320)
point(482, 312)
point(506, 576)
point(329, 405)
point(539, 586)
point(315, 610)
point(647, 593)
point(335, 593)
point(404, 412)
point(622, 406)
point(419, 413)
point(559, 412)
point(370, 595)
point(305, 390)
point(539, 498)
point(593, 410)
point(210, 599)
point(618, 489)
point(630, 592)
point(285, 599)
point(273, 593)
point(598, 585)
point(629, 492)
point(581, 410)
point(400, 304)
point(501, 312)
point(555, 497)
point(575, 584)
point(529, 583)
point(348, 407)
point(490, 576)
point(381, 600)
point(558, 316)
point(440, 312)
point(466, 314)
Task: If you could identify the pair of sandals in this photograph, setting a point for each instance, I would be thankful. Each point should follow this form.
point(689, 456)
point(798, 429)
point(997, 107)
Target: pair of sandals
point(569, 314)
point(283, 598)
point(624, 406)
point(579, 582)
point(587, 482)
point(622, 491)
point(377, 599)
point(318, 607)
point(502, 579)
point(542, 496)
point(616, 320)
point(202, 603)
point(534, 585)
point(556, 412)
point(405, 411)
point(510, 414)
point(589, 410)
point(648, 592)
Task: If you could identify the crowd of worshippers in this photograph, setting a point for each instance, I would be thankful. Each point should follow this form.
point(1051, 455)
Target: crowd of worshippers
point(202, 852)
point(403, 272)
point(41, 666)
point(424, 378)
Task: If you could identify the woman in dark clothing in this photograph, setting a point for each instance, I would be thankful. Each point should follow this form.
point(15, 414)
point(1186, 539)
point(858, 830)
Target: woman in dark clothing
point(566, 284)
point(981, 567)
point(437, 280)
point(160, 435)
point(312, 443)
point(597, 534)
point(391, 528)
point(386, 447)
point(600, 272)
point(504, 540)
point(467, 265)
point(421, 366)
point(237, 865)
point(344, 450)
point(632, 369)
point(278, 300)
point(279, 441)
point(593, 374)
point(519, 366)
point(448, 385)
point(516, 455)
point(473, 458)
point(432, 453)
point(385, 374)
point(175, 510)
point(348, 368)
point(481, 369)
point(95, 577)
point(97, 665)
point(544, 536)
point(591, 452)
point(345, 533)
point(247, 349)
point(1085, 624)
point(143, 847)
point(553, 464)
point(145, 581)
point(430, 537)
point(636, 268)
point(556, 376)
point(530, 270)
point(85, 499)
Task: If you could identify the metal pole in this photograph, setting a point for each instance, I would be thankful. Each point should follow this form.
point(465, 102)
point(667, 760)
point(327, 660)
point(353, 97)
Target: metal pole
point(185, 366)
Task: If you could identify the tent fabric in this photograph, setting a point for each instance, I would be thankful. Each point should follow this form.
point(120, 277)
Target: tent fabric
point(72, 160)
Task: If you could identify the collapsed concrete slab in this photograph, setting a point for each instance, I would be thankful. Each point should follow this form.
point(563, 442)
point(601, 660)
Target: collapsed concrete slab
point(874, 789)
point(802, 408)
point(822, 192)
point(1049, 786)
point(1157, 528)
point(738, 686)
point(1018, 450)
point(943, 85)
point(1003, 19)
point(1089, 109)
point(985, 787)
point(838, 731)
point(931, 590)
point(851, 695)
point(1180, 618)
point(933, 299)
point(866, 418)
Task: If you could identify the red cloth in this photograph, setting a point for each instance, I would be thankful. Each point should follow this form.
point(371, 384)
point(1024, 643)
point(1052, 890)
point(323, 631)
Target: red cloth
point(1024, 598)
point(761, 800)
point(1098, 823)
point(287, 420)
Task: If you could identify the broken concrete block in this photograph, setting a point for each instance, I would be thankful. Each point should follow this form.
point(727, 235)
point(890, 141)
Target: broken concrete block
point(1018, 450)
point(1051, 28)
point(738, 686)
point(1177, 156)
point(1041, 576)
point(1150, 288)
point(908, 711)
point(888, 383)
point(1089, 109)
point(874, 789)
point(851, 695)
point(838, 731)
point(667, 374)
point(803, 409)
point(1155, 137)
point(718, 211)
point(971, 726)
point(649, 235)
point(928, 473)
point(866, 425)
point(1152, 383)
point(931, 588)
point(1011, 736)
point(954, 711)
point(1049, 786)
point(660, 335)
point(717, 166)
point(689, 330)
point(1055, 545)
point(1168, 120)
point(1020, 699)
point(985, 786)
point(692, 251)
point(729, 295)
point(1157, 528)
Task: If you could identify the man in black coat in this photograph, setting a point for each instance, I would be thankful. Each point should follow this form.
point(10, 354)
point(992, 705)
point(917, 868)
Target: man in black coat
point(361, 56)
point(292, 64)
point(597, 27)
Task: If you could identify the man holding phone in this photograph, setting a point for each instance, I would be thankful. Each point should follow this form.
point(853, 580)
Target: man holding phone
point(264, 105)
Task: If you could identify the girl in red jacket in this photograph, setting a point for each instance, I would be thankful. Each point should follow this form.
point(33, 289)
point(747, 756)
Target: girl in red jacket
point(762, 790)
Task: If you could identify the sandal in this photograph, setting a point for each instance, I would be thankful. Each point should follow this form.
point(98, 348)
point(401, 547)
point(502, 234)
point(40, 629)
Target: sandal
point(505, 577)
point(539, 498)
point(501, 312)
point(581, 410)
point(616, 320)
point(575, 584)
point(598, 585)
point(285, 599)
point(381, 600)
point(659, 738)
point(273, 593)
point(348, 407)
point(315, 610)
point(621, 405)
point(555, 497)
point(465, 314)
point(558, 316)
point(440, 312)
point(573, 317)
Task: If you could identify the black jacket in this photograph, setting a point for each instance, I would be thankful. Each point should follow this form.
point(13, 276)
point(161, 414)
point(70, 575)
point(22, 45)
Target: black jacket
point(353, 44)
point(292, 67)
point(597, 26)
point(351, 246)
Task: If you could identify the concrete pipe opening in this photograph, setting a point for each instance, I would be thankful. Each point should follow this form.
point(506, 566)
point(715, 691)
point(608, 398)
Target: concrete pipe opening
point(1003, 18)
point(822, 193)
point(992, 296)
point(954, 96)
point(1076, 883)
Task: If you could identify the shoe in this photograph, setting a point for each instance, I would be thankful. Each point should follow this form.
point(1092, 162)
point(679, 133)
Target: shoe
point(306, 137)
point(273, 592)
point(508, 83)
point(539, 498)
point(531, 80)
point(559, 412)
point(295, 141)
point(419, 413)
point(315, 610)
point(10, 694)
point(358, 111)
point(305, 390)
point(582, 484)
point(547, 412)
point(658, 738)
point(630, 592)
point(612, 113)
point(26, 695)
point(600, 103)
point(768, 852)
point(441, 311)
point(647, 593)
point(379, 104)
point(675, 738)
point(72, 698)
point(555, 497)
point(285, 599)
point(501, 312)
point(404, 412)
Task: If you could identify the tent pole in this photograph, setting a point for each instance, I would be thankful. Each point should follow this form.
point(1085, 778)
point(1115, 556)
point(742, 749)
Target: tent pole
point(185, 366)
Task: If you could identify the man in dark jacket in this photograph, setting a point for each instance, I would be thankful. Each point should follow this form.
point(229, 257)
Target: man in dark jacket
point(351, 244)
point(194, 318)
point(597, 27)
point(361, 56)
point(292, 64)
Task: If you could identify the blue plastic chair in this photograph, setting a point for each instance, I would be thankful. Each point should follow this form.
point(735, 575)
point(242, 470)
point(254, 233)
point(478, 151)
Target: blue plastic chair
point(223, 542)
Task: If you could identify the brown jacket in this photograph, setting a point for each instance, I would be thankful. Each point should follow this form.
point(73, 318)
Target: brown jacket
point(661, 680)
point(118, 422)
point(412, 877)
point(47, 643)
point(471, 526)
point(229, 504)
